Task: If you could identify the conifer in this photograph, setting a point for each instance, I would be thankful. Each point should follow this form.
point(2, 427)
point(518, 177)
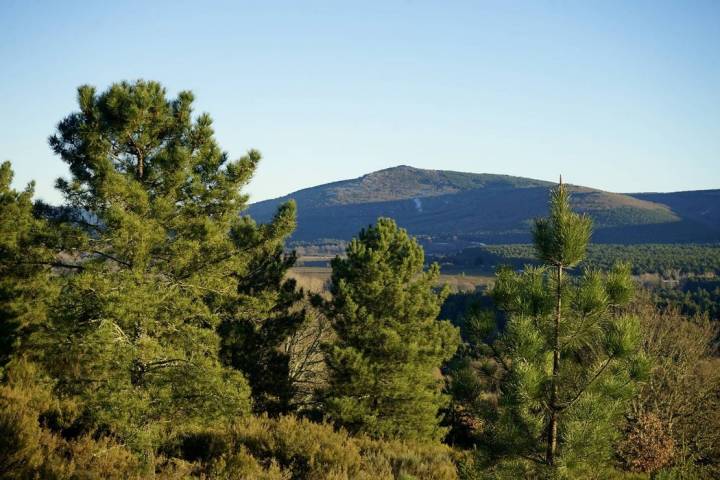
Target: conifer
point(565, 356)
point(385, 364)
point(166, 253)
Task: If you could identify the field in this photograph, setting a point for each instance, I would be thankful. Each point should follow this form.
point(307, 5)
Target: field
point(316, 278)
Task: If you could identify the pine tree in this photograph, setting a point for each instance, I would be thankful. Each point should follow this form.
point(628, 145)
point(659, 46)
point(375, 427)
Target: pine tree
point(25, 261)
point(384, 366)
point(567, 358)
point(134, 333)
point(560, 241)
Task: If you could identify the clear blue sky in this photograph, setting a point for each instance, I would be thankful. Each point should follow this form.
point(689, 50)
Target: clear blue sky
point(623, 96)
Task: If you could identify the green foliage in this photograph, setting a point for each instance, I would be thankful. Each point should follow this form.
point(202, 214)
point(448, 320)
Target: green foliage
point(166, 259)
point(25, 261)
point(264, 316)
point(561, 356)
point(30, 448)
point(561, 238)
point(693, 296)
point(253, 447)
point(313, 451)
point(144, 320)
point(292, 448)
point(384, 366)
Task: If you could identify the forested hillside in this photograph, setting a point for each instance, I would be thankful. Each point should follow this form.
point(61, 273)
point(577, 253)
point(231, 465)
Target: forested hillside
point(700, 206)
point(451, 210)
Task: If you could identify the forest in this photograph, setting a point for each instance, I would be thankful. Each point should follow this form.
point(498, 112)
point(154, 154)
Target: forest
point(667, 260)
point(150, 330)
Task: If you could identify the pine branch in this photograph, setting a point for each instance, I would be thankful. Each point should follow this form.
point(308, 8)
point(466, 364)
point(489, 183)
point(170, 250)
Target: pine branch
point(54, 264)
point(110, 257)
point(577, 396)
point(498, 357)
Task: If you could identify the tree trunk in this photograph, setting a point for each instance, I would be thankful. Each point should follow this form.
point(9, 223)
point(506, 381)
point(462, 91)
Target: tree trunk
point(552, 426)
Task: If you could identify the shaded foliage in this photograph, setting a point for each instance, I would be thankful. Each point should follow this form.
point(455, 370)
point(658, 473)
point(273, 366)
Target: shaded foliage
point(26, 259)
point(693, 297)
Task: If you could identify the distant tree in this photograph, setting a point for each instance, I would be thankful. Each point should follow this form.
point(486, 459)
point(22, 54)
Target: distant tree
point(384, 367)
point(565, 359)
point(134, 334)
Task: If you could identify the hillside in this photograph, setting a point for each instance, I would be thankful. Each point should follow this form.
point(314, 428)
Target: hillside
point(702, 206)
point(451, 210)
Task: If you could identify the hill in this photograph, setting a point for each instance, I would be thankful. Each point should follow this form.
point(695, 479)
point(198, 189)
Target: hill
point(451, 210)
point(702, 206)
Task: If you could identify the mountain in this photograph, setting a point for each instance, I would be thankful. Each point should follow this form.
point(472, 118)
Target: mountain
point(702, 206)
point(450, 210)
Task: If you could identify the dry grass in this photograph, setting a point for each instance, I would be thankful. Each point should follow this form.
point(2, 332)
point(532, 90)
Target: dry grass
point(464, 283)
point(316, 280)
point(311, 279)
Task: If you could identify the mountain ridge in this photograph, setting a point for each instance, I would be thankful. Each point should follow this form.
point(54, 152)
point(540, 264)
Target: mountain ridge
point(490, 208)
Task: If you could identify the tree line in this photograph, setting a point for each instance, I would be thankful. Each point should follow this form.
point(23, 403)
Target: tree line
point(150, 330)
point(668, 260)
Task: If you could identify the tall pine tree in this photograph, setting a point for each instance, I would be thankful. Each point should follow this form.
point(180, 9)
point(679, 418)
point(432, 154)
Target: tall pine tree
point(162, 266)
point(567, 358)
point(385, 364)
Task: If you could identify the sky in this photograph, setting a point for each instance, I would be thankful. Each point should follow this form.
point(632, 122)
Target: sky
point(618, 95)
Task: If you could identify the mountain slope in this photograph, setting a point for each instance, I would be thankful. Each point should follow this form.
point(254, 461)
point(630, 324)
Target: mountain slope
point(399, 183)
point(702, 206)
point(449, 210)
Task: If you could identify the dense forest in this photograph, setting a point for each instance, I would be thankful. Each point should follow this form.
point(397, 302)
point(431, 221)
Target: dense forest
point(684, 276)
point(668, 260)
point(150, 330)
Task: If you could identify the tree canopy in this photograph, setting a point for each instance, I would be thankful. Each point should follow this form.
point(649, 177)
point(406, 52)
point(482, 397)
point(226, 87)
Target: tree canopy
point(163, 260)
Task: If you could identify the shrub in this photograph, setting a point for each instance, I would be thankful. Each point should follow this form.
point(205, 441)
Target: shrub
point(29, 450)
point(647, 446)
point(294, 448)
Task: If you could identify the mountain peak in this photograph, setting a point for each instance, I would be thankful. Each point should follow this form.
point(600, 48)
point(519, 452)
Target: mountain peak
point(407, 182)
point(476, 207)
